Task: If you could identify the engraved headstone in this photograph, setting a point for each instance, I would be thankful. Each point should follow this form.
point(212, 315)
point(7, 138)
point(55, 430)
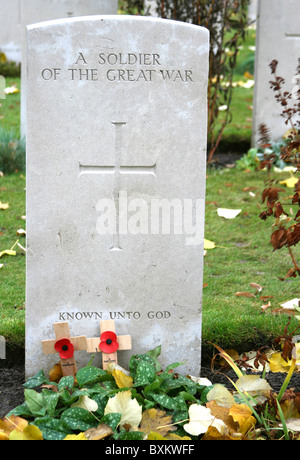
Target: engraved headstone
point(10, 29)
point(277, 37)
point(16, 14)
point(34, 11)
point(116, 156)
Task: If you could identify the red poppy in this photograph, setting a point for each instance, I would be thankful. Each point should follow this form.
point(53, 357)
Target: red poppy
point(65, 348)
point(108, 342)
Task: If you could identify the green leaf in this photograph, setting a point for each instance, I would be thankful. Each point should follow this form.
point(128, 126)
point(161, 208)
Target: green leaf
point(204, 393)
point(66, 382)
point(79, 419)
point(177, 403)
point(145, 374)
point(51, 400)
point(171, 383)
point(52, 429)
point(20, 411)
point(130, 436)
point(35, 402)
point(136, 359)
point(154, 355)
point(172, 366)
point(88, 375)
point(113, 419)
point(37, 380)
point(154, 385)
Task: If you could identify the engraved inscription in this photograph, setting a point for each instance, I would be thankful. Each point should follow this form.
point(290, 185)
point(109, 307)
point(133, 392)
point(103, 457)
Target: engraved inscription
point(117, 170)
point(119, 67)
point(114, 315)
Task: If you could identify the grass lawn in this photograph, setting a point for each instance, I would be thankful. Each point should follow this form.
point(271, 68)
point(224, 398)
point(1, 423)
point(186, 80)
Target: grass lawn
point(12, 274)
point(242, 255)
point(10, 108)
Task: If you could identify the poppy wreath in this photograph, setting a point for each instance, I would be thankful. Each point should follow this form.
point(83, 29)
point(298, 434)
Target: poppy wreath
point(108, 342)
point(65, 348)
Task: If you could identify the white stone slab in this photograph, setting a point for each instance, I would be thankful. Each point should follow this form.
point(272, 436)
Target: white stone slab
point(117, 115)
point(35, 11)
point(252, 12)
point(150, 7)
point(277, 37)
point(16, 14)
point(10, 29)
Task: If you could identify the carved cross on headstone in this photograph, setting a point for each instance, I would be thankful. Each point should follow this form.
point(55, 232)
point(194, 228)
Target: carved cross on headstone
point(117, 170)
point(109, 343)
point(65, 345)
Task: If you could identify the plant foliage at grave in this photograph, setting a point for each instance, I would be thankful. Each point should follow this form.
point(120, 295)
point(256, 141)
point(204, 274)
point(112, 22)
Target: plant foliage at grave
point(148, 403)
point(9, 68)
point(12, 153)
point(226, 21)
point(286, 212)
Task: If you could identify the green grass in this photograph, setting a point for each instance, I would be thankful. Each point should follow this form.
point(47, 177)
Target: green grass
point(237, 134)
point(10, 108)
point(12, 274)
point(243, 255)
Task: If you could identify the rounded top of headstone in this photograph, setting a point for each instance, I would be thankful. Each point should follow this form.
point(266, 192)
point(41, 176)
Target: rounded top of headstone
point(120, 19)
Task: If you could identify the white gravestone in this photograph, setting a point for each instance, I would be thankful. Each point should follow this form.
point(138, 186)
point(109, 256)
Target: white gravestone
point(10, 29)
point(34, 11)
point(277, 37)
point(116, 157)
point(150, 6)
point(16, 14)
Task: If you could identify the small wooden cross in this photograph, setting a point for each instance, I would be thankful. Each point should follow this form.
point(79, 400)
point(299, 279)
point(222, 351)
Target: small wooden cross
point(108, 343)
point(65, 345)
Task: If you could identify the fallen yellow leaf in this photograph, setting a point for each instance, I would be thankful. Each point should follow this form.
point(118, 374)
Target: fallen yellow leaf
point(121, 379)
point(4, 205)
point(55, 373)
point(290, 183)
point(11, 424)
point(209, 244)
point(76, 437)
point(30, 433)
point(8, 252)
point(242, 414)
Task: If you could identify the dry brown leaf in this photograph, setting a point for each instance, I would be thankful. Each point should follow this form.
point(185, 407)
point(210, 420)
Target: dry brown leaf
point(222, 413)
point(101, 432)
point(244, 294)
point(256, 286)
point(153, 419)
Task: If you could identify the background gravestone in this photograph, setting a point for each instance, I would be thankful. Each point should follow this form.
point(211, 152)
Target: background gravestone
point(117, 113)
point(12, 25)
point(34, 11)
point(277, 37)
point(10, 29)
